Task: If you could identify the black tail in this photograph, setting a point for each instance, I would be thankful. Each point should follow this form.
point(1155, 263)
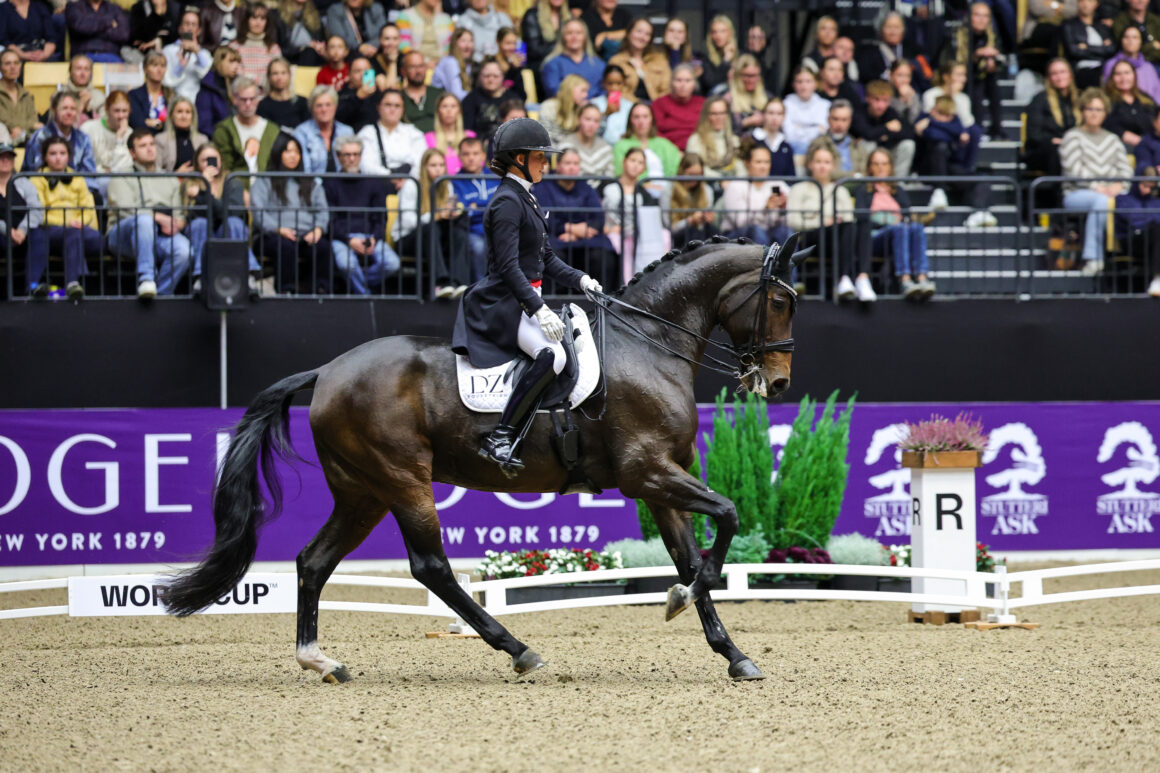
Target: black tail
point(238, 506)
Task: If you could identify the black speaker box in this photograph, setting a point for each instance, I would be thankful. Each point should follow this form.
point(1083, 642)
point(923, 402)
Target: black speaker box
point(225, 275)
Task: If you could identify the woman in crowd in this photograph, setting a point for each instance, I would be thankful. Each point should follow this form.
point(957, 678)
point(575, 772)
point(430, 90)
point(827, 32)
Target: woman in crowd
point(386, 60)
point(30, 32)
point(317, 134)
point(572, 54)
point(290, 214)
point(608, 24)
point(688, 204)
point(615, 104)
point(561, 114)
point(746, 96)
point(1050, 115)
point(885, 227)
point(425, 28)
point(358, 22)
point(149, 102)
point(539, 28)
point(1131, 44)
point(809, 210)
point(90, 99)
point(226, 204)
point(951, 81)
point(17, 105)
point(594, 151)
point(1138, 227)
point(109, 135)
point(1087, 43)
point(807, 115)
point(258, 44)
point(481, 106)
point(755, 208)
point(451, 261)
point(20, 219)
point(70, 215)
point(178, 143)
point(720, 54)
point(976, 46)
point(678, 112)
point(448, 132)
point(281, 105)
point(454, 72)
point(677, 47)
point(770, 135)
point(647, 74)
point(906, 101)
point(1132, 111)
point(62, 123)
point(1090, 155)
point(215, 99)
point(714, 140)
point(757, 45)
point(303, 42)
point(512, 61)
point(661, 156)
point(623, 203)
point(825, 35)
point(152, 26)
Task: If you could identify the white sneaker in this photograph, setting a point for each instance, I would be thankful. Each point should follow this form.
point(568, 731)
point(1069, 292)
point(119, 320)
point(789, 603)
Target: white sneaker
point(254, 286)
point(1154, 288)
point(979, 219)
point(989, 220)
point(1092, 267)
point(938, 200)
point(147, 289)
point(845, 289)
point(865, 292)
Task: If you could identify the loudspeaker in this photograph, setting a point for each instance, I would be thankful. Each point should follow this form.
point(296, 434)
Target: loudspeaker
point(225, 275)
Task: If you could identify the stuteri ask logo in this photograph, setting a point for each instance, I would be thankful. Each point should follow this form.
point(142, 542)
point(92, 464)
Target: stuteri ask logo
point(1131, 509)
point(892, 508)
point(1014, 509)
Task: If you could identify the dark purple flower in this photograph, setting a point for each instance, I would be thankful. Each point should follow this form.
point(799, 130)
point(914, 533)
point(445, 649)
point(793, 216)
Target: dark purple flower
point(821, 556)
point(776, 557)
point(799, 555)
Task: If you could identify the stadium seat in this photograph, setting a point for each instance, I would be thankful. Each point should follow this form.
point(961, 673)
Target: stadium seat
point(530, 88)
point(305, 79)
point(44, 78)
point(392, 216)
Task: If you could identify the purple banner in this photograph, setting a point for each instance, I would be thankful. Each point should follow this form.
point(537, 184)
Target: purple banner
point(133, 486)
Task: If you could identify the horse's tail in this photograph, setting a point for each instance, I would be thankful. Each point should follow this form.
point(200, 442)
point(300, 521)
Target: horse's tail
point(238, 505)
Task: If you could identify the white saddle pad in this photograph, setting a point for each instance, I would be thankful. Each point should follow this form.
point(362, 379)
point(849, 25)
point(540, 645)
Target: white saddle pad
point(484, 390)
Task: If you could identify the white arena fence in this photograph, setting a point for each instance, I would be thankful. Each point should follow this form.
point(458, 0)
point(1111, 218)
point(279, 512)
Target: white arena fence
point(276, 592)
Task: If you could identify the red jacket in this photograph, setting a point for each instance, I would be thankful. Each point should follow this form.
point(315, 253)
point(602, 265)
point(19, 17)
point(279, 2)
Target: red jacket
point(676, 121)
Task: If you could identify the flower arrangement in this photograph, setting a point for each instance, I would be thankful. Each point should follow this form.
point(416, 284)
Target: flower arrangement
point(799, 555)
point(857, 549)
point(938, 433)
point(899, 555)
point(528, 563)
point(984, 561)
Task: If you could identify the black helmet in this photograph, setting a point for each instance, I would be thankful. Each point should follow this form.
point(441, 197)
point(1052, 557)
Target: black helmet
point(522, 134)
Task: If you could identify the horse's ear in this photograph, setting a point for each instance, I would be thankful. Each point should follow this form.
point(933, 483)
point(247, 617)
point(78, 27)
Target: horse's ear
point(801, 255)
point(774, 265)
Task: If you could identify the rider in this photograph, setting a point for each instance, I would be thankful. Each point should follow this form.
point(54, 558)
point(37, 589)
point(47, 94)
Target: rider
point(503, 314)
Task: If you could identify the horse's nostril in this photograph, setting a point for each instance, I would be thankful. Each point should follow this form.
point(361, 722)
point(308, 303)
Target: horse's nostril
point(780, 384)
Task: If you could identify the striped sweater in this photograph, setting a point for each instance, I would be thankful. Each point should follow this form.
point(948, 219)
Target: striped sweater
point(1086, 154)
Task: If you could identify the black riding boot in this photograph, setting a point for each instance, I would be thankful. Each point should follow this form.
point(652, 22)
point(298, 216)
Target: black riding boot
point(499, 444)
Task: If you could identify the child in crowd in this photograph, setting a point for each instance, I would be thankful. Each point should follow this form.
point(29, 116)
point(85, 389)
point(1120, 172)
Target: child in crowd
point(336, 71)
point(948, 150)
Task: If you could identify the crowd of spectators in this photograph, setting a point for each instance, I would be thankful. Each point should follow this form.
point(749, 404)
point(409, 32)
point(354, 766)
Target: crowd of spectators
point(412, 90)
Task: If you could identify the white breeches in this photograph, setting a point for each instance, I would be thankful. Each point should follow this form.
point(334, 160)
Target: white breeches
point(531, 340)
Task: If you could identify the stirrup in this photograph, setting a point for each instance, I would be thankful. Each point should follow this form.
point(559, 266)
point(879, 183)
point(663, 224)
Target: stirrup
point(502, 438)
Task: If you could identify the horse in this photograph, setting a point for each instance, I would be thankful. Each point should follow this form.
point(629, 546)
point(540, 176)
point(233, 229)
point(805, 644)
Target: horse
point(387, 422)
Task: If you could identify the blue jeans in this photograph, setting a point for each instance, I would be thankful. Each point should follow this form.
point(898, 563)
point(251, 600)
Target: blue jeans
point(906, 242)
point(1096, 227)
point(478, 244)
point(383, 263)
point(139, 237)
point(234, 228)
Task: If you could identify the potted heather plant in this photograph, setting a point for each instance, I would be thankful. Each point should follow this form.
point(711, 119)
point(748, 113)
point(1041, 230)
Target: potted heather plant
point(942, 442)
point(530, 563)
point(856, 550)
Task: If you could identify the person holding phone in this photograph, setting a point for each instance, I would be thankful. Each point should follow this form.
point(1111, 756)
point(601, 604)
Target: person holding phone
point(211, 196)
point(186, 61)
point(614, 104)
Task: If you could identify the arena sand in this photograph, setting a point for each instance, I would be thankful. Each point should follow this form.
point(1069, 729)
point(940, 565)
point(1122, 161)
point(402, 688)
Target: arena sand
point(851, 687)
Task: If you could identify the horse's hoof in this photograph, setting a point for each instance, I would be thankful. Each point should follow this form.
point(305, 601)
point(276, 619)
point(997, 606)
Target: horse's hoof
point(745, 671)
point(680, 599)
point(527, 662)
point(339, 675)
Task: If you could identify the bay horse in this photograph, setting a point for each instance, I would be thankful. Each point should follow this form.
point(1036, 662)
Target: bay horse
point(387, 421)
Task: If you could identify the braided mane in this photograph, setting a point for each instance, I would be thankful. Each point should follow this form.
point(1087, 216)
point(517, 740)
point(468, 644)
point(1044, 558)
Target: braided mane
point(669, 256)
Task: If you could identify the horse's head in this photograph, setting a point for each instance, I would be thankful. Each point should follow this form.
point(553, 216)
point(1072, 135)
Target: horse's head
point(756, 309)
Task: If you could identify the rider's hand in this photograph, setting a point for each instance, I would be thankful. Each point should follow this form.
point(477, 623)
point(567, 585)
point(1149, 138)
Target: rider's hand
point(589, 285)
point(550, 323)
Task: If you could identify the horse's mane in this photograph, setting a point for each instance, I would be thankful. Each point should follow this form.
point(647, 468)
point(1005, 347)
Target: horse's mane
point(687, 254)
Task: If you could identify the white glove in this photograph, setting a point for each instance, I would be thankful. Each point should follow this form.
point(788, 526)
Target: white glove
point(590, 285)
point(550, 323)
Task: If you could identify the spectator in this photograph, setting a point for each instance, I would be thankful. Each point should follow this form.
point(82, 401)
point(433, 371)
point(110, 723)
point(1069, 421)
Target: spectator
point(358, 100)
point(647, 74)
point(481, 107)
point(511, 61)
point(832, 83)
point(448, 131)
point(627, 206)
point(336, 71)
point(473, 187)
point(17, 105)
point(97, 29)
point(687, 205)
point(445, 221)
point(63, 123)
point(576, 221)
point(511, 107)
point(187, 61)
point(614, 104)
point(281, 105)
point(1138, 225)
point(951, 80)
point(721, 51)
point(20, 219)
point(825, 35)
point(676, 45)
point(607, 23)
point(70, 216)
point(821, 203)
point(1132, 110)
point(594, 151)
point(216, 94)
point(885, 227)
point(906, 101)
point(225, 203)
point(316, 136)
point(806, 112)
point(976, 47)
point(949, 149)
point(1086, 43)
point(222, 23)
point(844, 50)
point(358, 223)
point(90, 100)
point(153, 24)
point(1136, 14)
point(879, 124)
point(419, 99)
point(389, 145)
point(714, 140)
point(424, 27)
point(757, 46)
point(539, 28)
point(358, 23)
point(573, 54)
point(769, 134)
point(109, 136)
point(145, 221)
point(560, 115)
point(1092, 156)
point(484, 22)
point(678, 112)
point(1148, 151)
point(755, 208)
point(850, 152)
point(258, 43)
point(303, 41)
point(1050, 115)
point(292, 217)
point(875, 58)
point(454, 71)
point(27, 29)
point(661, 156)
point(150, 101)
point(247, 140)
point(746, 96)
point(1146, 78)
point(180, 139)
point(386, 60)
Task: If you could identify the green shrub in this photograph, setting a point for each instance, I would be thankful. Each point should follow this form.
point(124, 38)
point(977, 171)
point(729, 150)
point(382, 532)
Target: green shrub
point(749, 548)
point(739, 461)
point(648, 525)
point(858, 550)
point(636, 553)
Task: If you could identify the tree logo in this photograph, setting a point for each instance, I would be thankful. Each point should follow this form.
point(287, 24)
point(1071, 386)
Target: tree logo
point(891, 508)
point(1014, 509)
point(1130, 508)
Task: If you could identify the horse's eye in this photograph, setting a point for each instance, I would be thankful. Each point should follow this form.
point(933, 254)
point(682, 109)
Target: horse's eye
point(778, 303)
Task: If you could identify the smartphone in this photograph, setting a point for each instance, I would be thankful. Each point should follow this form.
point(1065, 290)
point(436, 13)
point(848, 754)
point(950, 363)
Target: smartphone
point(614, 100)
point(187, 36)
point(368, 78)
point(522, 49)
point(211, 162)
